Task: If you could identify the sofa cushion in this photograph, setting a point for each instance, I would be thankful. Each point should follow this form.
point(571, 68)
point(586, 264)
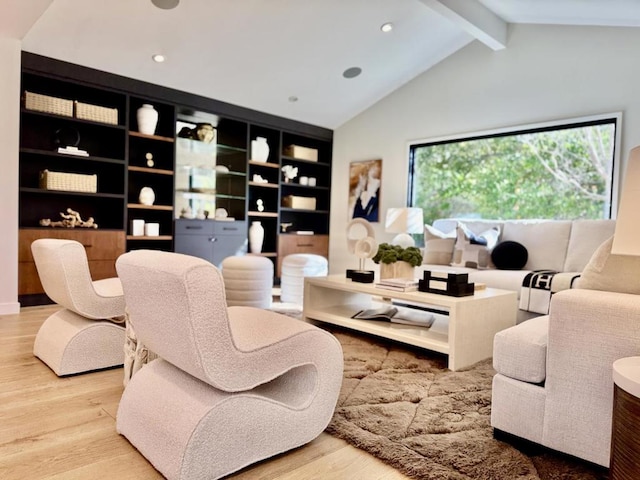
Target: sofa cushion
point(612, 273)
point(546, 241)
point(438, 246)
point(520, 352)
point(473, 250)
point(586, 236)
point(509, 255)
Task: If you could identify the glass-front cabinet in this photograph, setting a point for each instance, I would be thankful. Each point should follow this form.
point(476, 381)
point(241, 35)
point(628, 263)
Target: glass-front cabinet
point(211, 167)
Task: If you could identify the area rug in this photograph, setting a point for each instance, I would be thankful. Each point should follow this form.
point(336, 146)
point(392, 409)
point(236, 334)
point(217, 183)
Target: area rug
point(406, 408)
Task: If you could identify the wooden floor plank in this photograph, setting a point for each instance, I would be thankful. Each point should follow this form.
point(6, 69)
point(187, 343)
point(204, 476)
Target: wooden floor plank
point(55, 428)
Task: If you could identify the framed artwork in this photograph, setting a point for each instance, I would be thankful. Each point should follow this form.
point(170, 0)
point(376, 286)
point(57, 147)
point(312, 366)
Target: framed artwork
point(365, 178)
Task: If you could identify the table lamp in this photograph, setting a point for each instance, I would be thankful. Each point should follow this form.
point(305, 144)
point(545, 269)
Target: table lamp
point(625, 239)
point(404, 221)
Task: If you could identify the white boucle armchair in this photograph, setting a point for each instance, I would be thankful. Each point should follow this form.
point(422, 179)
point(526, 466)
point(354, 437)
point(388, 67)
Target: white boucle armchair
point(87, 333)
point(232, 385)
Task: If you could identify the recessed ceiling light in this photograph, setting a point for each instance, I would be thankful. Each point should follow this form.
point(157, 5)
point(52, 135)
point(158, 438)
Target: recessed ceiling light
point(352, 72)
point(166, 4)
point(158, 58)
point(293, 99)
point(386, 27)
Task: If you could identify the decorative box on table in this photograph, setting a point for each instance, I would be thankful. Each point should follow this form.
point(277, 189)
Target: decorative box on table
point(446, 283)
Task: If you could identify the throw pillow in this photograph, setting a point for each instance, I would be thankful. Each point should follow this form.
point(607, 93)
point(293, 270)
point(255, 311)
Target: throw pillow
point(438, 246)
point(611, 273)
point(509, 255)
point(474, 251)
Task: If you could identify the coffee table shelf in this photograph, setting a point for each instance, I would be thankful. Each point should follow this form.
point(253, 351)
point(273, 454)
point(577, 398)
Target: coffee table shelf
point(464, 328)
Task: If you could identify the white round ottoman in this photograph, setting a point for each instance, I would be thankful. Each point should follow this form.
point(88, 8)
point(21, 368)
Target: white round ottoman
point(294, 268)
point(248, 281)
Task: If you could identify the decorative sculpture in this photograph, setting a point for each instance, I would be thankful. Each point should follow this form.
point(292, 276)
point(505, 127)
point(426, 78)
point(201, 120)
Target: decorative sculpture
point(71, 219)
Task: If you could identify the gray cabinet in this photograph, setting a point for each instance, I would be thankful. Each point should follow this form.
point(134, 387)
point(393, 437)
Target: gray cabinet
point(213, 240)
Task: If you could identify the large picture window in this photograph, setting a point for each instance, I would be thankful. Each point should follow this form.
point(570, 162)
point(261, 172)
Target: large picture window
point(559, 170)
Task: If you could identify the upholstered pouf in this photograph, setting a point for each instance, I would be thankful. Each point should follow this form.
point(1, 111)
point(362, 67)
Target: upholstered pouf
point(294, 268)
point(248, 281)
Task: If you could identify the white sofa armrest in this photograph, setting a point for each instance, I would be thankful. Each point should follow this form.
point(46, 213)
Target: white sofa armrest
point(588, 331)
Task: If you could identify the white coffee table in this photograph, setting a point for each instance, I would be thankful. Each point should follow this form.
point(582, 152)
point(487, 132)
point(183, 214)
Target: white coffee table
point(464, 327)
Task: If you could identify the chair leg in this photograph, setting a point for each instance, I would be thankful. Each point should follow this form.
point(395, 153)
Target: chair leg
point(69, 343)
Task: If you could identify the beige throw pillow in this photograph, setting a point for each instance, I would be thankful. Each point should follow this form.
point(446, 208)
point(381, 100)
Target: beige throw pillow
point(611, 273)
point(438, 246)
point(474, 251)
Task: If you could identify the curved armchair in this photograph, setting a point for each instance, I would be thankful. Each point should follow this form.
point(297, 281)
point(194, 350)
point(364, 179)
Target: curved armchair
point(84, 335)
point(232, 386)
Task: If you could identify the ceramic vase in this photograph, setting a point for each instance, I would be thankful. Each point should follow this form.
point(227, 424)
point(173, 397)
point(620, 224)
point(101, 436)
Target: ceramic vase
point(256, 237)
point(398, 269)
point(147, 196)
point(147, 117)
point(259, 149)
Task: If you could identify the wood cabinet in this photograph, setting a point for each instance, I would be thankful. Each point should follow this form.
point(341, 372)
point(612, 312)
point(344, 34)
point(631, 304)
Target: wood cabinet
point(103, 248)
point(292, 243)
point(210, 239)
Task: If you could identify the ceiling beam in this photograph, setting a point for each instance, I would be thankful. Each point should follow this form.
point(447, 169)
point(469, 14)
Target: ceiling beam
point(475, 19)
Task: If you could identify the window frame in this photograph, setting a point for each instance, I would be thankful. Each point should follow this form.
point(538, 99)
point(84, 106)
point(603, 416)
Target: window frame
point(561, 124)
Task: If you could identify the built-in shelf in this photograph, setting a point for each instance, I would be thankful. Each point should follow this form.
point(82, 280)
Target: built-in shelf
point(151, 137)
point(265, 185)
point(144, 237)
point(149, 207)
point(264, 164)
point(158, 171)
point(263, 214)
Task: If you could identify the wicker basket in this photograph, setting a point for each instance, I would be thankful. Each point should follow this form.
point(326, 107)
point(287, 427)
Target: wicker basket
point(68, 182)
point(86, 111)
point(47, 104)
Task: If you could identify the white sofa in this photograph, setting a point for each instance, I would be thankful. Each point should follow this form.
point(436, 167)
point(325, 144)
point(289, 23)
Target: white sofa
point(554, 382)
point(558, 245)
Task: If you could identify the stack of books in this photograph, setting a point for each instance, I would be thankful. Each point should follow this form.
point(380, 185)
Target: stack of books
point(398, 284)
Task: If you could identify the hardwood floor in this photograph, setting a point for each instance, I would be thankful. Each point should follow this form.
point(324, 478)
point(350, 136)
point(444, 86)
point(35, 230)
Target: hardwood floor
point(64, 428)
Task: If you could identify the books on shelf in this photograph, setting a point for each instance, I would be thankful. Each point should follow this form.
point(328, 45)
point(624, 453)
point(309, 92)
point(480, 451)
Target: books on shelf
point(398, 284)
point(406, 316)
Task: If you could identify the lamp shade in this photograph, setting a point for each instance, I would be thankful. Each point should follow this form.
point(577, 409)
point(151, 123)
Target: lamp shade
point(404, 220)
point(627, 233)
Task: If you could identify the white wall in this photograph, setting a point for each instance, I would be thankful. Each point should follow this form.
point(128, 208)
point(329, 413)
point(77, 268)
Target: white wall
point(9, 141)
point(545, 73)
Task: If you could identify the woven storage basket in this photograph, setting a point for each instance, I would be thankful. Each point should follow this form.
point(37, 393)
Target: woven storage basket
point(86, 111)
point(47, 104)
point(68, 182)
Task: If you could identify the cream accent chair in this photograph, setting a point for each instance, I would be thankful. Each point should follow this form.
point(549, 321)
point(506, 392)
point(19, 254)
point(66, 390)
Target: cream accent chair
point(232, 385)
point(86, 334)
point(554, 381)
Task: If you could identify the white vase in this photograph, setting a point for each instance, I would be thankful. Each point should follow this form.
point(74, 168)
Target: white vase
point(147, 196)
point(147, 117)
point(259, 149)
point(256, 237)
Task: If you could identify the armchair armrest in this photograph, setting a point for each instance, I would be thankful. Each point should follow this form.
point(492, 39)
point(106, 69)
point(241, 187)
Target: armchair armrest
point(588, 331)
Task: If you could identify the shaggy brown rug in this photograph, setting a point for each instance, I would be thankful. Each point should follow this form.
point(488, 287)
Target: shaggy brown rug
point(406, 408)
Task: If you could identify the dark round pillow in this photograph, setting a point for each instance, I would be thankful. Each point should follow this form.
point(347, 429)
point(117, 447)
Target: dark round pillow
point(509, 255)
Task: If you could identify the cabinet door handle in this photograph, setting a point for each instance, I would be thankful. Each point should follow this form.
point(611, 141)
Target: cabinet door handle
point(193, 228)
point(232, 229)
point(305, 245)
point(213, 239)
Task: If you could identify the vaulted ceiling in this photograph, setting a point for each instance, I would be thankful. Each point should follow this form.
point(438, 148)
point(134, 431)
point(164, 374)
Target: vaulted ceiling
point(284, 57)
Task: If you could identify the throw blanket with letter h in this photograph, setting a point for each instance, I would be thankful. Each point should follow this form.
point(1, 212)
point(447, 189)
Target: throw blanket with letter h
point(539, 285)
